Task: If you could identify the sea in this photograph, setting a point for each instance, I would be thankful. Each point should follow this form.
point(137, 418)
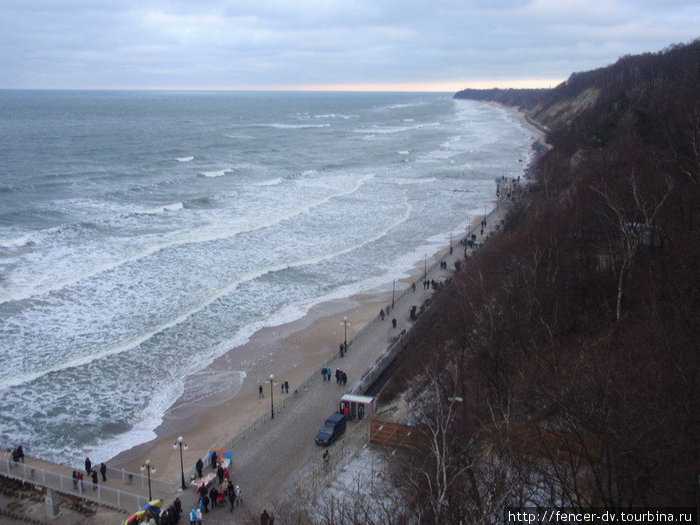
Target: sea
point(143, 234)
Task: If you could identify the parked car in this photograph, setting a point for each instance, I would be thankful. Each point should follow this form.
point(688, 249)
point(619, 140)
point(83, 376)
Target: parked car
point(332, 429)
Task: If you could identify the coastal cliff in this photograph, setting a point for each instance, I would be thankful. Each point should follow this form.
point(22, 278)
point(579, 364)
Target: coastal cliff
point(560, 367)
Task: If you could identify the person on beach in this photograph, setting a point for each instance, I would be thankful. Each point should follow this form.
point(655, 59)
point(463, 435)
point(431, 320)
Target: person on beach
point(199, 466)
point(103, 471)
point(88, 466)
point(260, 391)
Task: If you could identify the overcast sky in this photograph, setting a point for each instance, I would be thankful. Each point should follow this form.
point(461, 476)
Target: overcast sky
point(430, 45)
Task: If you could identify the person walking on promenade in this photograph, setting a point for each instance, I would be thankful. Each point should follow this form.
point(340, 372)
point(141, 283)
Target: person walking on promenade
point(264, 518)
point(237, 490)
point(103, 471)
point(88, 466)
point(81, 481)
point(75, 480)
point(193, 517)
point(231, 497)
point(93, 473)
point(198, 513)
point(199, 466)
point(260, 391)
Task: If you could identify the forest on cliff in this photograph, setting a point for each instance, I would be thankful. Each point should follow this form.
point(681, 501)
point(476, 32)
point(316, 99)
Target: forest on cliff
point(560, 365)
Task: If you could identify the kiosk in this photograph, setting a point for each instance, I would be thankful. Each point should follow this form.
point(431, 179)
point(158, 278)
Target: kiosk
point(357, 407)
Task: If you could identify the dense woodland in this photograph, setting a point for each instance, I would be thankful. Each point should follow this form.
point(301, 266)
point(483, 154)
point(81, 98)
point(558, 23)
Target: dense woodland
point(572, 336)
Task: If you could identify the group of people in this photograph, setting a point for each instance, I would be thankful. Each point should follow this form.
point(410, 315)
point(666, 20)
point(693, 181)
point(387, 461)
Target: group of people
point(217, 494)
point(340, 377)
point(79, 479)
point(267, 518)
point(171, 514)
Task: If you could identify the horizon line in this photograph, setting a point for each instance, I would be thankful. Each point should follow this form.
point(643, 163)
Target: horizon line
point(415, 87)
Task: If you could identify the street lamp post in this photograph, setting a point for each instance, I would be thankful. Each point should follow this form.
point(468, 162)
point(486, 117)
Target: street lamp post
point(345, 323)
point(180, 444)
point(393, 292)
point(148, 468)
point(272, 402)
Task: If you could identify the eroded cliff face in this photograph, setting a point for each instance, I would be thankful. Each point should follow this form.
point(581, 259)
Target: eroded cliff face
point(563, 112)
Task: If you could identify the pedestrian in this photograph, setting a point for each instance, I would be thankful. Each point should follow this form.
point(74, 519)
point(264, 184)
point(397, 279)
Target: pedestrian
point(199, 466)
point(264, 518)
point(272, 518)
point(286, 387)
point(75, 480)
point(232, 498)
point(213, 496)
point(345, 378)
point(237, 490)
point(198, 513)
point(393, 323)
point(220, 474)
point(212, 460)
point(88, 466)
point(193, 517)
point(93, 473)
point(81, 481)
point(381, 313)
point(103, 471)
point(323, 373)
point(329, 373)
point(260, 391)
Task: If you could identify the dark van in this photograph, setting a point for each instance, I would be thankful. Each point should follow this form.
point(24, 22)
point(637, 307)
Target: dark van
point(332, 429)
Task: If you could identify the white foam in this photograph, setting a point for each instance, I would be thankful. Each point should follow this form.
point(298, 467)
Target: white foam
point(184, 159)
point(298, 126)
point(216, 173)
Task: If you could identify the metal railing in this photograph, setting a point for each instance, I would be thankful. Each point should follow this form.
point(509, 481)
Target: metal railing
point(66, 484)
